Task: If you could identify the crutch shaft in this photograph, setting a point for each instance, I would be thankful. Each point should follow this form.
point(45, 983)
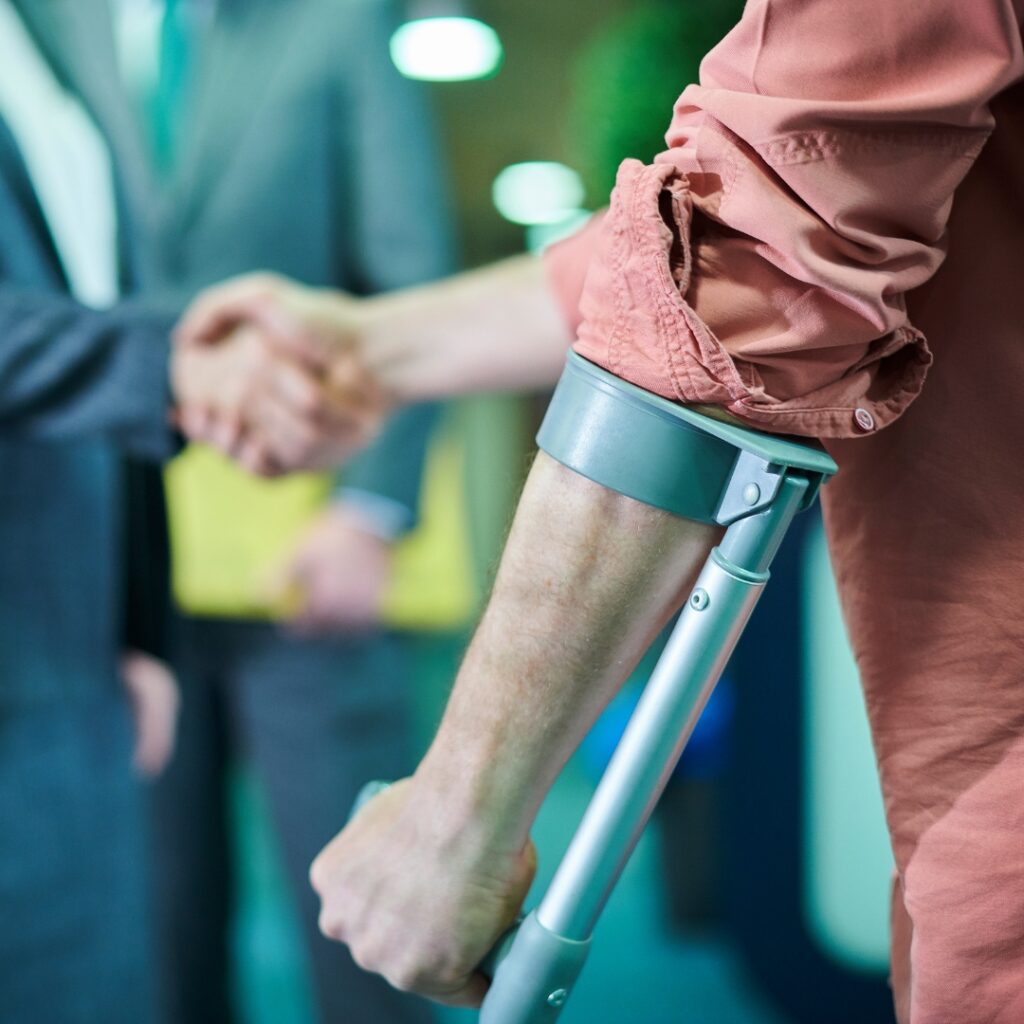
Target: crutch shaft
point(534, 978)
point(679, 688)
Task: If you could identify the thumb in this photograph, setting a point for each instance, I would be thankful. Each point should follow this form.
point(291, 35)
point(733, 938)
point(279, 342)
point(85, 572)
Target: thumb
point(259, 301)
point(217, 310)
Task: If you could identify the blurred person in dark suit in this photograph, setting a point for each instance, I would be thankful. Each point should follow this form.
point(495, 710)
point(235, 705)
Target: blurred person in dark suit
point(86, 379)
point(84, 383)
point(279, 136)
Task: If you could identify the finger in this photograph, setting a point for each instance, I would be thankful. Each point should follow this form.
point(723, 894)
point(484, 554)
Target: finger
point(155, 702)
point(225, 430)
point(227, 435)
point(330, 431)
point(254, 455)
point(350, 383)
point(260, 303)
point(155, 741)
point(350, 408)
point(314, 616)
point(289, 437)
point(470, 995)
point(194, 421)
point(297, 388)
point(218, 310)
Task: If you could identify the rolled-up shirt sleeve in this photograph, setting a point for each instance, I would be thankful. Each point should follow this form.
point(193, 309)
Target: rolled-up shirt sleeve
point(762, 262)
point(566, 264)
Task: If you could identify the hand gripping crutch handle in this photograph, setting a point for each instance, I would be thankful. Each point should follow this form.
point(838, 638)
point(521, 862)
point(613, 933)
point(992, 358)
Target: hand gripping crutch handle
point(536, 968)
point(536, 940)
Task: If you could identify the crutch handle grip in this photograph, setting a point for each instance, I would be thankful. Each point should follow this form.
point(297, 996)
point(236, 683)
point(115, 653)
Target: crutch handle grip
point(490, 963)
point(534, 974)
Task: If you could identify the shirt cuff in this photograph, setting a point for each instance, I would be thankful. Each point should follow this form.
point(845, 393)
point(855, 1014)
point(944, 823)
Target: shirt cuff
point(566, 263)
point(377, 515)
point(639, 324)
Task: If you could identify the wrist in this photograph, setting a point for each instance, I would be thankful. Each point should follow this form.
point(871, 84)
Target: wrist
point(378, 515)
point(490, 768)
point(394, 338)
point(470, 798)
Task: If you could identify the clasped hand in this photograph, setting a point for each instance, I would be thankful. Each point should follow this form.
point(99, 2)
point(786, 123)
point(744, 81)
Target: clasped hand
point(269, 373)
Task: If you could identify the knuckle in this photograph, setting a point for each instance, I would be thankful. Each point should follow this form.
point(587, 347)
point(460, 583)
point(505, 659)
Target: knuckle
point(330, 926)
point(311, 401)
point(450, 974)
point(318, 874)
point(333, 922)
point(315, 875)
point(405, 978)
point(364, 959)
point(264, 284)
point(425, 973)
point(304, 443)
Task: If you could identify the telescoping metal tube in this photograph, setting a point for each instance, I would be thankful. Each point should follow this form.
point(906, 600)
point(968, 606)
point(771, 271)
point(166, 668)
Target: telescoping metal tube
point(533, 981)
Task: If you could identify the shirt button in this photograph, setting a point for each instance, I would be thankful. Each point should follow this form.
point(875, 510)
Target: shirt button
point(864, 419)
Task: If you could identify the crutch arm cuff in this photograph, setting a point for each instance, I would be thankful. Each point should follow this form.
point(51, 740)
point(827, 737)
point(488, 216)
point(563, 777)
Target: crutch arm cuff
point(667, 455)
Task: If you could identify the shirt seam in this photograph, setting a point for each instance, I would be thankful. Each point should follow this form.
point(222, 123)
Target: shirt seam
point(813, 147)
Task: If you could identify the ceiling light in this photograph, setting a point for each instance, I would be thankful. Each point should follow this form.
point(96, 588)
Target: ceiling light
point(538, 192)
point(446, 49)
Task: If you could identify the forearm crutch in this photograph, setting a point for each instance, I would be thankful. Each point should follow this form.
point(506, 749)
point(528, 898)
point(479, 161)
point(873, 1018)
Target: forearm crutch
point(699, 468)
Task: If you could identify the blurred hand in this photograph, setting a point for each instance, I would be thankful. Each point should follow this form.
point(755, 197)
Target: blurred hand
point(267, 410)
point(340, 573)
point(313, 326)
point(155, 701)
point(417, 895)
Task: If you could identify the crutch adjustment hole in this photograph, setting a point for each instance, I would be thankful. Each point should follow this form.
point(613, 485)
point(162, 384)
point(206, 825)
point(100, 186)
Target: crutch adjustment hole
point(699, 599)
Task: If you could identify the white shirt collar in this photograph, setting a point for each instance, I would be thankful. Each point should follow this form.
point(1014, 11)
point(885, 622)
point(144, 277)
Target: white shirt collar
point(68, 163)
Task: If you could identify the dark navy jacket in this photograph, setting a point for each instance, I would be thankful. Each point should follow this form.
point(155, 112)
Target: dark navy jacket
point(79, 391)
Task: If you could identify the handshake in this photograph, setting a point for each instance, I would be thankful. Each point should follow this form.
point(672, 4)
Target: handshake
point(282, 377)
point(271, 373)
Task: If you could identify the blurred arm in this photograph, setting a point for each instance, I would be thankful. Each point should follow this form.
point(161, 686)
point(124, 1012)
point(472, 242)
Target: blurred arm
point(588, 578)
point(70, 371)
point(498, 328)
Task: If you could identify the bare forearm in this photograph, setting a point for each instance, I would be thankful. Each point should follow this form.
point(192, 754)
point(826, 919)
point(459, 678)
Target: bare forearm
point(493, 329)
point(588, 579)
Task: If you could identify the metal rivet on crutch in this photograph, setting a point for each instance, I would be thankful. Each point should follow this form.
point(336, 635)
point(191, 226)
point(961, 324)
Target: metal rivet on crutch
point(699, 599)
point(558, 997)
point(751, 494)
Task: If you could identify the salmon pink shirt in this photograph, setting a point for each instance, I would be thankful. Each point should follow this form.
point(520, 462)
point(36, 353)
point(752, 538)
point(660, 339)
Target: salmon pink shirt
point(833, 245)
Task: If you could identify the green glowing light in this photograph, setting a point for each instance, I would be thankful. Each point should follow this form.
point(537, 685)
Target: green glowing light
point(538, 192)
